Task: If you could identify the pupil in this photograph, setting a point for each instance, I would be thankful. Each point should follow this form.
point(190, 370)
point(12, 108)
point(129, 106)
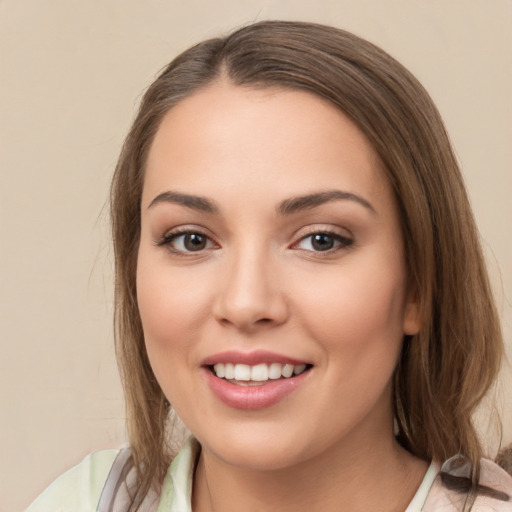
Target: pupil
point(322, 242)
point(195, 242)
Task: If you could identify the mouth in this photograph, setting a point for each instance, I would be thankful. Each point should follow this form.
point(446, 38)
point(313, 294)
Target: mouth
point(256, 380)
point(258, 374)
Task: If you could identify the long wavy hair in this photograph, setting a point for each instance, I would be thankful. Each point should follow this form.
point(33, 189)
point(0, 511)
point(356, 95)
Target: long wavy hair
point(445, 370)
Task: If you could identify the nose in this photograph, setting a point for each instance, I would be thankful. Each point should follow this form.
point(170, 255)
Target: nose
point(250, 295)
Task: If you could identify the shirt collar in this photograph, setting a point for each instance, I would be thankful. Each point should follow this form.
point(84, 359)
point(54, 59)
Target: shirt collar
point(177, 487)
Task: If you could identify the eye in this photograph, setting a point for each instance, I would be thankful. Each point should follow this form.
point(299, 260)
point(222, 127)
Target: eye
point(186, 242)
point(323, 242)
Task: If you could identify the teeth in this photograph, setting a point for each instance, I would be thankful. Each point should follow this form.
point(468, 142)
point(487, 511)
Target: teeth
point(220, 370)
point(258, 373)
point(274, 372)
point(287, 370)
point(229, 371)
point(242, 372)
point(299, 369)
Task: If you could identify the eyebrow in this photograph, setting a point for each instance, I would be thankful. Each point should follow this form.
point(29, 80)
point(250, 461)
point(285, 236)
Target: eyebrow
point(190, 201)
point(298, 204)
point(286, 207)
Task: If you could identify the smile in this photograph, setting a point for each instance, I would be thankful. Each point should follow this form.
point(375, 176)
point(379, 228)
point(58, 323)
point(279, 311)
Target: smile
point(255, 380)
point(244, 374)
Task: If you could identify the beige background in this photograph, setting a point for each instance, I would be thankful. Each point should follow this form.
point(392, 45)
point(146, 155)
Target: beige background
point(71, 74)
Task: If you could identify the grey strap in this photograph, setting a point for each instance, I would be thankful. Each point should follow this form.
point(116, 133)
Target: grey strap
point(116, 477)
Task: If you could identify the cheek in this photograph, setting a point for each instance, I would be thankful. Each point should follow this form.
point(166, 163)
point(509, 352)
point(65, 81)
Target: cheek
point(356, 320)
point(356, 310)
point(172, 309)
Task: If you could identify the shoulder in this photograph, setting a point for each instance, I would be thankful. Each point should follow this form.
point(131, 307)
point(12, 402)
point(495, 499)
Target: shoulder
point(78, 489)
point(495, 484)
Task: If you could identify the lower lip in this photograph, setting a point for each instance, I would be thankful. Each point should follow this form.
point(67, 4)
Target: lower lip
point(251, 398)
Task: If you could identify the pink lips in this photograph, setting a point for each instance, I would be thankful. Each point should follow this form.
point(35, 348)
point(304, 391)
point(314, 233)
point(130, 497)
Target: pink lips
point(252, 398)
point(250, 358)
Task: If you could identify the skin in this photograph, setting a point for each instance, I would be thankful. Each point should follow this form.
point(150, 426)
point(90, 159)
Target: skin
point(260, 283)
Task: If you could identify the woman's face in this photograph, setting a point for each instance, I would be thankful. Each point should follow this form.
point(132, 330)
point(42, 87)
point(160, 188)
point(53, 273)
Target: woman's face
point(271, 246)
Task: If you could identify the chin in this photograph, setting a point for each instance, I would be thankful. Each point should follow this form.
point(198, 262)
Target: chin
point(262, 448)
point(254, 458)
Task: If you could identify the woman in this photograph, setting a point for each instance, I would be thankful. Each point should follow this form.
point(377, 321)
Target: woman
point(299, 275)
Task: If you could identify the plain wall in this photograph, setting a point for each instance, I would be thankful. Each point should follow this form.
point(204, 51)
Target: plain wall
point(71, 75)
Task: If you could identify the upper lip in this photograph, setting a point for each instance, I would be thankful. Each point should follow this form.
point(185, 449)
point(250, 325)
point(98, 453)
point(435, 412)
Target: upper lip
point(251, 358)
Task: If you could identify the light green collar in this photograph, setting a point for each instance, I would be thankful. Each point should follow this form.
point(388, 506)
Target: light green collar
point(176, 493)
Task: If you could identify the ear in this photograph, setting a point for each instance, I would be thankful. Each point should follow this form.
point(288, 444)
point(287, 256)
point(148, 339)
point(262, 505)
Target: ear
point(412, 315)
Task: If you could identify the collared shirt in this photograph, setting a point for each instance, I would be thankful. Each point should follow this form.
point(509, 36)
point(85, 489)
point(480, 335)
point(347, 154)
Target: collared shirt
point(93, 486)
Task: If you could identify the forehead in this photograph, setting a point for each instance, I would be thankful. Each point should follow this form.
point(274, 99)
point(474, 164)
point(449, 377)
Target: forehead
point(282, 140)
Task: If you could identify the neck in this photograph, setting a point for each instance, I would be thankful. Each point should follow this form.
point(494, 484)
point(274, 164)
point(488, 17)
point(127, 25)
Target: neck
point(351, 474)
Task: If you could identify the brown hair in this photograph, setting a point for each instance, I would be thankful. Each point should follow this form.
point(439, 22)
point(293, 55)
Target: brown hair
point(444, 370)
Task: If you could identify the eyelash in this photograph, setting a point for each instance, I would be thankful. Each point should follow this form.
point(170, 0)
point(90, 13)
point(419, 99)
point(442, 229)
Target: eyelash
point(343, 242)
point(167, 240)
